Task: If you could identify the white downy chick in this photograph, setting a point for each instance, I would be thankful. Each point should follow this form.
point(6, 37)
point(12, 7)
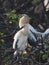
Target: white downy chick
point(20, 38)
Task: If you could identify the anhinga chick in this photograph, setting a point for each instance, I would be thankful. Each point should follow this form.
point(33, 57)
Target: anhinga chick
point(21, 37)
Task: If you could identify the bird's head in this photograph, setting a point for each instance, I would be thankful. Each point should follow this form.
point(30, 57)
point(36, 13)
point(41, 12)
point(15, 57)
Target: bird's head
point(24, 20)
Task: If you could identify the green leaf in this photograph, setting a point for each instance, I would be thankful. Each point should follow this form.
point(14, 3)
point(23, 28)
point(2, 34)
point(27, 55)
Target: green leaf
point(19, 16)
point(12, 14)
point(7, 14)
point(48, 51)
point(44, 57)
point(2, 40)
point(36, 1)
point(10, 22)
point(13, 11)
point(1, 33)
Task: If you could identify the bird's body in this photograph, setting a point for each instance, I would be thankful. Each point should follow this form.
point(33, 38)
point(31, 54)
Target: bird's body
point(27, 31)
point(22, 37)
point(22, 40)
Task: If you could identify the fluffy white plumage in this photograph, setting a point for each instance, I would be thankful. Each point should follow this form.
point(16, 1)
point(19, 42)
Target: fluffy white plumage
point(46, 3)
point(20, 38)
point(22, 35)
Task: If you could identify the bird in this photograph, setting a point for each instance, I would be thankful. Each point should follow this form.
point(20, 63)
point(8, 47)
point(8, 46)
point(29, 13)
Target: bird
point(26, 32)
point(20, 42)
point(46, 4)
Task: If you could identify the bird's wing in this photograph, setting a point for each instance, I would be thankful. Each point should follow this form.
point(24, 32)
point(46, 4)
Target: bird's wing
point(15, 43)
point(33, 29)
point(16, 39)
point(33, 33)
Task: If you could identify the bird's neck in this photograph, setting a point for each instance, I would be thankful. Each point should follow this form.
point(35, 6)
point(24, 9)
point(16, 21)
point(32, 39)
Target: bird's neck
point(24, 32)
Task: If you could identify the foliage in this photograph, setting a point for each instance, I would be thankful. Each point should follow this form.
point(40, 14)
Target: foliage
point(36, 1)
point(44, 56)
point(10, 12)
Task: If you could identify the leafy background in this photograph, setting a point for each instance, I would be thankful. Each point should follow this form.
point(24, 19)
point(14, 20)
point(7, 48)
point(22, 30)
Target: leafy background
point(10, 12)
